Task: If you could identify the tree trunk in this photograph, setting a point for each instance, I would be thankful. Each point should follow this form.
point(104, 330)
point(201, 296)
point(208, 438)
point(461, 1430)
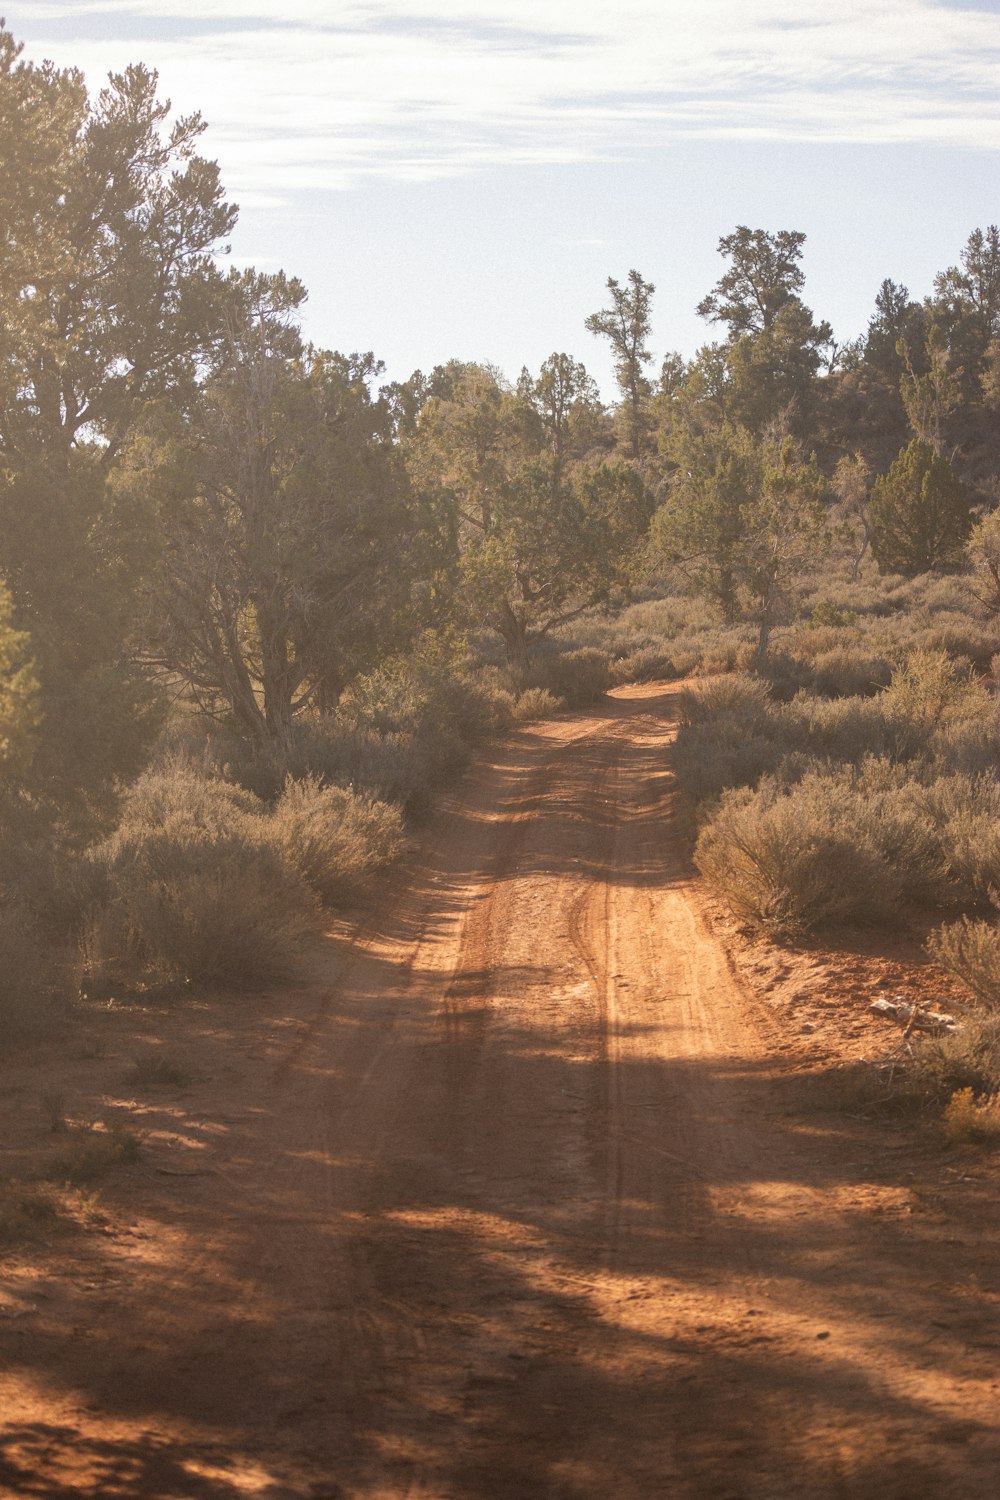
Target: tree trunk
point(515, 638)
point(763, 641)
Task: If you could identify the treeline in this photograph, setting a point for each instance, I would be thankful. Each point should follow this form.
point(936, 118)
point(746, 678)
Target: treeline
point(236, 566)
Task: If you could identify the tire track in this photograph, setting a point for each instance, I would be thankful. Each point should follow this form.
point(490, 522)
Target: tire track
point(513, 1214)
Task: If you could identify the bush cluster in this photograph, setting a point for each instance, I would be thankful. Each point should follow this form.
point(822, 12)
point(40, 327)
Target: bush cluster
point(202, 882)
point(821, 812)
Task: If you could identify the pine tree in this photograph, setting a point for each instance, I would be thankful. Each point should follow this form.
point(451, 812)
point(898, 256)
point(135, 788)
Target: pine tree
point(920, 513)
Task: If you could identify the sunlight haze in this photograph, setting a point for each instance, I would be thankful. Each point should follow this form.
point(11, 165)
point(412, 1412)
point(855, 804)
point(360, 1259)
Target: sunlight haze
point(459, 179)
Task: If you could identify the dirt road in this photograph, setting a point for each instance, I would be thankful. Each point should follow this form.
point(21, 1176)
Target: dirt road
point(511, 1204)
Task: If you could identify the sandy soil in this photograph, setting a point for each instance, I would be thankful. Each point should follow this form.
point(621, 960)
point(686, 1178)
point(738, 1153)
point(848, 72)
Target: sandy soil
point(522, 1196)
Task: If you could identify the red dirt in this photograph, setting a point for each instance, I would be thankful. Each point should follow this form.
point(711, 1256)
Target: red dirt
point(521, 1197)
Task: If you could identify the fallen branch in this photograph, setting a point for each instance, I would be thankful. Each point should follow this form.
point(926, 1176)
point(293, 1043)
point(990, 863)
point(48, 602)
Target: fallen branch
point(913, 1017)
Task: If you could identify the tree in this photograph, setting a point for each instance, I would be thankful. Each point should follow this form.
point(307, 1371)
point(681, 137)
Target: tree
point(41, 114)
point(895, 317)
point(974, 287)
point(772, 375)
point(75, 553)
point(869, 394)
point(109, 297)
point(284, 522)
point(764, 276)
point(701, 527)
point(536, 539)
point(930, 397)
point(920, 514)
point(786, 533)
point(19, 713)
point(852, 480)
point(984, 554)
point(626, 325)
point(774, 348)
point(568, 402)
point(743, 520)
point(117, 298)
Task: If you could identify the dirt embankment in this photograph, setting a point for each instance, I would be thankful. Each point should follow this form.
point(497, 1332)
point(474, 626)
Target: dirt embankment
point(520, 1198)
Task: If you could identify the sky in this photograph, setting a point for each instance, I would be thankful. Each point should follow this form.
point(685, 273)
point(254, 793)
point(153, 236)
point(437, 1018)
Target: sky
point(459, 178)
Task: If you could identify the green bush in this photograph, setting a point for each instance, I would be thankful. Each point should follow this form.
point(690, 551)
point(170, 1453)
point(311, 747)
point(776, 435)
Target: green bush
point(919, 513)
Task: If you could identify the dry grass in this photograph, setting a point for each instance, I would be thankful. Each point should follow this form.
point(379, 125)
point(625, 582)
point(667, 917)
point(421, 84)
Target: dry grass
point(35, 1210)
point(93, 1151)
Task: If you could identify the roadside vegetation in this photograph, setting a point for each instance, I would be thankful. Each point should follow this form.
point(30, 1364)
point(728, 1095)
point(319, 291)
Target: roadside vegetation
point(257, 604)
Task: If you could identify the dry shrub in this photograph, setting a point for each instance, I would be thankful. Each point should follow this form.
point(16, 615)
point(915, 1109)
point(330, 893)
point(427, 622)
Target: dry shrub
point(227, 912)
point(971, 951)
point(644, 664)
point(784, 674)
point(963, 639)
point(965, 811)
point(971, 746)
point(967, 1118)
point(731, 734)
point(966, 1058)
point(536, 703)
point(397, 734)
point(797, 861)
point(730, 757)
point(406, 728)
point(721, 650)
point(848, 730)
point(426, 699)
point(849, 672)
point(579, 678)
point(194, 885)
point(737, 696)
point(181, 793)
point(338, 840)
point(395, 766)
point(930, 691)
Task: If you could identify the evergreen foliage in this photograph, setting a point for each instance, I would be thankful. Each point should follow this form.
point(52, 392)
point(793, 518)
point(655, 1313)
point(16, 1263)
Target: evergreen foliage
point(920, 514)
point(205, 521)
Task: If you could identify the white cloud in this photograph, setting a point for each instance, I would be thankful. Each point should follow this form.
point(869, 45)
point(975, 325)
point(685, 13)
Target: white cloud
point(417, 89)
